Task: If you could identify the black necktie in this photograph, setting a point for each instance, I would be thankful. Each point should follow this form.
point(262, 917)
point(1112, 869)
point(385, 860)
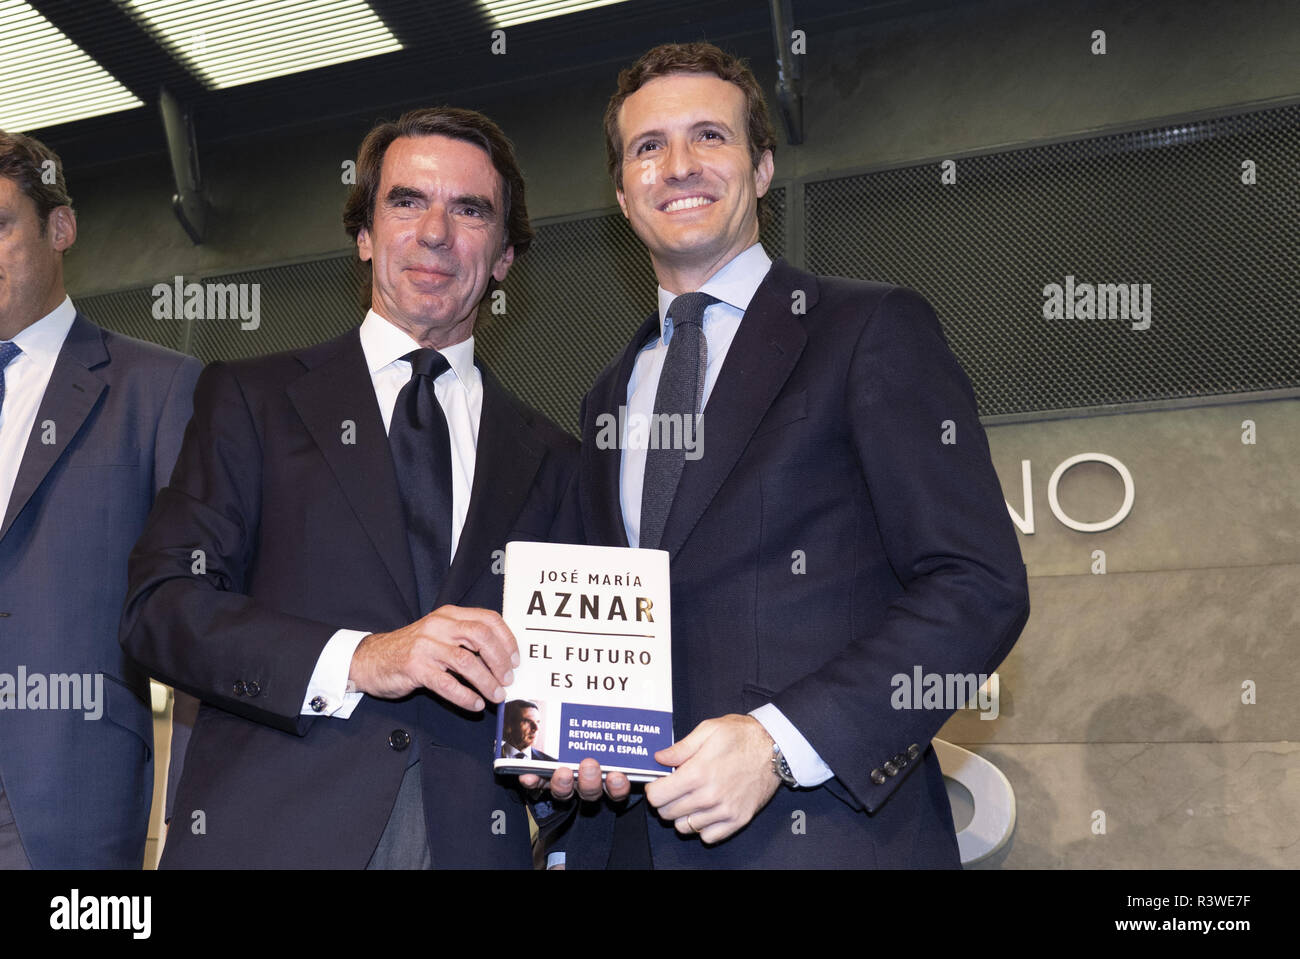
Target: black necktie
point(680, 394)
point(422, 455)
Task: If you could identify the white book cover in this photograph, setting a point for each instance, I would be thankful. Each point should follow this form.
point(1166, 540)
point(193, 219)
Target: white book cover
point(595, 674)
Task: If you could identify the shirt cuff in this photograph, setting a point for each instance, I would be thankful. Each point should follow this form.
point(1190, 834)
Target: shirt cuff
point(327, 691)
point(806, 766)
point(554, 859)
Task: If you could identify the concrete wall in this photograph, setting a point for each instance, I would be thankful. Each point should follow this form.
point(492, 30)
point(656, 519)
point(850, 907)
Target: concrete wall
point(1125, 693)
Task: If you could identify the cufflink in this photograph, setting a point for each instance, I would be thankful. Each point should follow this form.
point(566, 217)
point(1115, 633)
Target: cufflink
point(318, 704)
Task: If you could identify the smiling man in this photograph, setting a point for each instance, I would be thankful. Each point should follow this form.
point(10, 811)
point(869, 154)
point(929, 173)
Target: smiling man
point(344, 503)
point(827, 539)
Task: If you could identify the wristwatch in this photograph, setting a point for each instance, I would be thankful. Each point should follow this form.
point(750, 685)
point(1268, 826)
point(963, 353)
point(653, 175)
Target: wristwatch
point(782, 768)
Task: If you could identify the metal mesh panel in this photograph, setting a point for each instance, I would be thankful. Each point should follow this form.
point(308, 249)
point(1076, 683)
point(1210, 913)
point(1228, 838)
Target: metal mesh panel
point(1165, 207)
point(131, 312)
point(300, 304)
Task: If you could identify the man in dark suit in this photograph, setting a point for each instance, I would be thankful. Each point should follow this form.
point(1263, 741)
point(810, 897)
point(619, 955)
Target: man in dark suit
point(90, 424)
point(843, 524)
point(518, 731)
point(322, 571)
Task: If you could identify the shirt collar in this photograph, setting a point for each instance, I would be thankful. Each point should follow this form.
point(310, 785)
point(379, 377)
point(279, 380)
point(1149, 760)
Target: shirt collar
point(43, 339)
point(384, 344)
point(735, 284)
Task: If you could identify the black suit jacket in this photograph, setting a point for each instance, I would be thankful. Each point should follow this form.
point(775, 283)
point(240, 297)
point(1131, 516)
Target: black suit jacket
point(303, 533)
point(81, 790)
point(826, 541)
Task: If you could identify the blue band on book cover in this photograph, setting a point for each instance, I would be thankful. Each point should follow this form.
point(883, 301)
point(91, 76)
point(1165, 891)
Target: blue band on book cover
point(614, 735)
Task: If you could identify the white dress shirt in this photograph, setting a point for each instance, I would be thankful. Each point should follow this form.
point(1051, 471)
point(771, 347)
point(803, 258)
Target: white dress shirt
point(733, 286)
point(26, 377)
point(460, 394)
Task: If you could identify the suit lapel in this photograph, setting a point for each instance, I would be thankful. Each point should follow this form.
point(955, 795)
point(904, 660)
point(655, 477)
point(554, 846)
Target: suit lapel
point(337, 387)
point(764, 352)
point(506, 461)
point(69, 397)
point(600, 485)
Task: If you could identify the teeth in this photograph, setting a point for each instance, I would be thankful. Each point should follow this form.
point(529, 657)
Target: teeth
point(688, 203)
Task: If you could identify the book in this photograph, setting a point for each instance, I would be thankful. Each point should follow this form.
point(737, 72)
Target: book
point(594, 629)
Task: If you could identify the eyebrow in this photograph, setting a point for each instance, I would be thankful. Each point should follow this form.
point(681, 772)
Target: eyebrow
point(695, 127)
point(476, 200)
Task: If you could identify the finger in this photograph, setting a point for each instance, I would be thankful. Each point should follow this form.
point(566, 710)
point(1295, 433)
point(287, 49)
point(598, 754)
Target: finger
point(590, 785)
point(467, 668)
point(685, 748)
point(562, 783)
point(718, 831)
point(487, 634)
point(617, 786)
point(687, 805)
point(696, 821)
point(443, 684)
point(668, 789)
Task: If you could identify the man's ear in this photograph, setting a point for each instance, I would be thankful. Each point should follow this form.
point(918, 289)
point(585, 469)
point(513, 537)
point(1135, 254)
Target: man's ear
point(364, 250)
point(502, 265)
point(62, 228)
point(763, 173)
point(622, 201)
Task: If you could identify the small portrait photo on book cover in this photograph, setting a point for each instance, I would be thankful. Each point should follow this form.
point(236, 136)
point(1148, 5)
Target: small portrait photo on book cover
point(522, 726)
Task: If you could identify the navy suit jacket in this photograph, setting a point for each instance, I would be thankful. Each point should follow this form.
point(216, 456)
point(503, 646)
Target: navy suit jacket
point(81, 789)
point(826, 541)
point(303, 533)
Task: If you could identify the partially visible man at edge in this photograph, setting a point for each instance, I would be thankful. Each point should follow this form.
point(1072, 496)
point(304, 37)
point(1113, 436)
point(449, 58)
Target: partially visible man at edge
point(830, 538)
point(349, 498)
point(90, 425)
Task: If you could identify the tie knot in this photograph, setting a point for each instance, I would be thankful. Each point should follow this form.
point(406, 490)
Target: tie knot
point(7, 352)
point(428, 363)
point(689, 308)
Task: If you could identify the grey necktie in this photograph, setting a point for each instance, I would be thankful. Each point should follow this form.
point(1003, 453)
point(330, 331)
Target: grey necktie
point(680, 395)
point(7, 352)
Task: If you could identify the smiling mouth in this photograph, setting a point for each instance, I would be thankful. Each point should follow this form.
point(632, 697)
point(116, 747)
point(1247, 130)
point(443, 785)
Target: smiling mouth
point(686, 203)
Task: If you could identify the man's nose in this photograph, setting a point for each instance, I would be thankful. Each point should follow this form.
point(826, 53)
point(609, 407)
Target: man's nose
point(435, 225)
point(680, 160)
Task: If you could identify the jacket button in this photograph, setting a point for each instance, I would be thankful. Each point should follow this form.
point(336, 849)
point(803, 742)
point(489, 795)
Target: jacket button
point(399, 739)
point(4, 615)
point(877, 777)
point(240, 688)
point(891, 769)
point(913, 751)
point(252, 687)
point(900, 760)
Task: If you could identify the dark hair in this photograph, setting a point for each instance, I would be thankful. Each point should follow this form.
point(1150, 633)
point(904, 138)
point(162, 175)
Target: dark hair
point(670, 58)
point(22, 159)
point(515, 709)
point(468, 125)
